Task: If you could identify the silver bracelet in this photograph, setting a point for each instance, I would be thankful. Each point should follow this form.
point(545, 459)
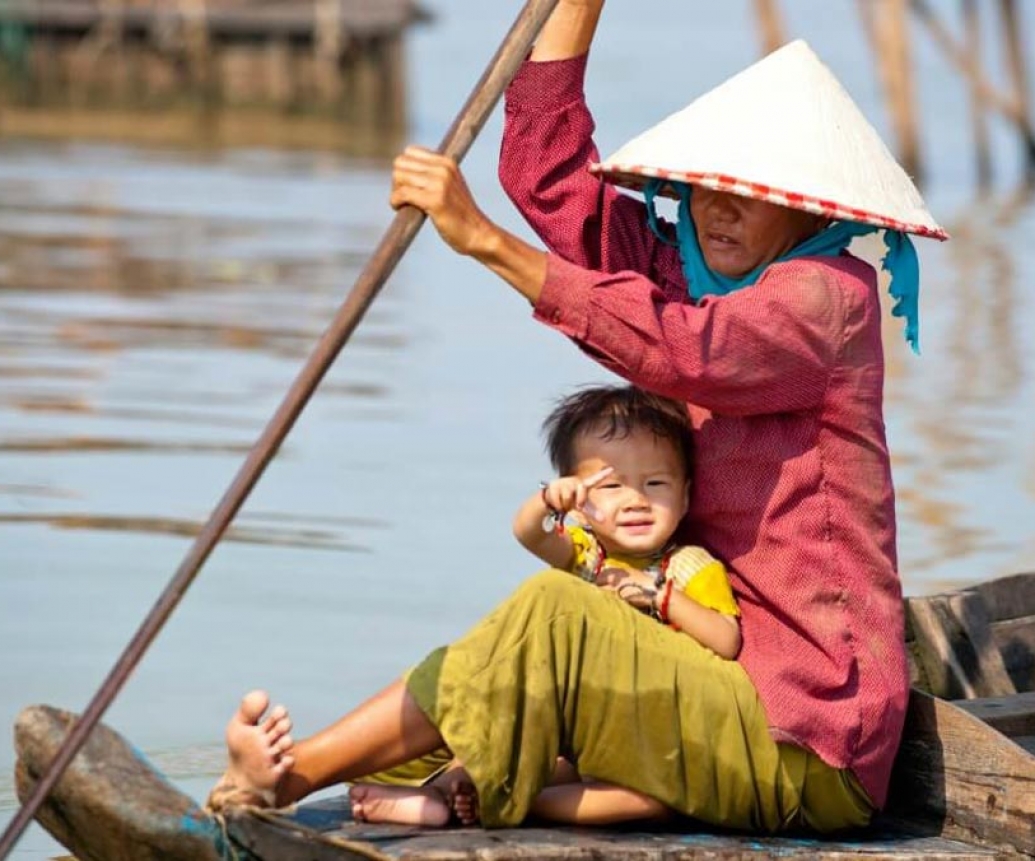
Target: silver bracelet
point(554, 520)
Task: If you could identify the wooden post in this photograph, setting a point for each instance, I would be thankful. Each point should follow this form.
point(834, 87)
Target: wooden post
point(886, 25)
point(87, 78)
point(972, 27)
point(1018, 76)
point(328, 47)
point(279, 90)
point(366, 104)
point(394, 60)
point(46, 72)
point(198, 49)
point(771, 25)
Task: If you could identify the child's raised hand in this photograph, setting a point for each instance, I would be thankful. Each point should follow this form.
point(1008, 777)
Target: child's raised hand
point(571, 493)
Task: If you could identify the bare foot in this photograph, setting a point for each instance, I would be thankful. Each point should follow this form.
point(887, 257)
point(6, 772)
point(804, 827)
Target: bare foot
point(465, 804)
point(406, 805)
point(260, 753)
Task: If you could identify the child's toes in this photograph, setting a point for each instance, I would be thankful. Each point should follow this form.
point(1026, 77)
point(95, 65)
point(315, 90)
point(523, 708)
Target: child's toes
point(276, 714)
point(280, 728)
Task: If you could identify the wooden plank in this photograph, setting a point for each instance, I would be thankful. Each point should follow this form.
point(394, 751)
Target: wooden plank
point(1015, 639)
point(1012, 715)
point(1027, 742)
point(1009, 597)
point(956, 771)
point(264, 836)
point(314, 830)
point(955, 646)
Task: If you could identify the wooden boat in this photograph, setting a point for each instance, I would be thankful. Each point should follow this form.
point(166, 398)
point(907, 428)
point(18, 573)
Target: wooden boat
point(963, 788)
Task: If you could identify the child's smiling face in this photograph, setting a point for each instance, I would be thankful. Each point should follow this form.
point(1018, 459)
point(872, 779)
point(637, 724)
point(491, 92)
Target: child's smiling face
point(639, 505)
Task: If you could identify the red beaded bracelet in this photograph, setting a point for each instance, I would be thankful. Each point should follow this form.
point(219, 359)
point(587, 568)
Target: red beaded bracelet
point(666, 598)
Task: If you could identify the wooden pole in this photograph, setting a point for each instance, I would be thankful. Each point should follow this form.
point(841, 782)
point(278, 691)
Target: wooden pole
point(771, 24)
point(1018, 77)
point(197, 45)
point(328, 45)
point(400, 234)
point(884, 22)
point(972, 27)
point(395, 81)
point(888, 27)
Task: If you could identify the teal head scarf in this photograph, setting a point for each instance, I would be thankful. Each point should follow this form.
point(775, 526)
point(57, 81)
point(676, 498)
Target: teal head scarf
point(900, 260)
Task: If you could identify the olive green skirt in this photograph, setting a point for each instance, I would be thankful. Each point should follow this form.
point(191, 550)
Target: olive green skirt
point(564, 668)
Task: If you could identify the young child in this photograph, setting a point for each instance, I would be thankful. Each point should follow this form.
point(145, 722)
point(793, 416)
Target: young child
point(624, 457)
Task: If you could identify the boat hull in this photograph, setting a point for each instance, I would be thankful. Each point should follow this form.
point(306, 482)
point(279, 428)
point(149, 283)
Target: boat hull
point(112, 805)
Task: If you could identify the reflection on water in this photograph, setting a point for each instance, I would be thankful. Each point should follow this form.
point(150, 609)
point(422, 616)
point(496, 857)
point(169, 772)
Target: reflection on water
point(125, 330)
point(271, 532)
point(976, 421)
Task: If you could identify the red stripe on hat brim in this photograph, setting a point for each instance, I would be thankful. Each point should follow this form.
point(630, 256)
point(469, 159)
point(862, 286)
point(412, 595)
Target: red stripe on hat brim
point(636, 176)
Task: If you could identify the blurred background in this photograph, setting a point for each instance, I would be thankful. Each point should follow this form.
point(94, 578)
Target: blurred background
point(187, 192)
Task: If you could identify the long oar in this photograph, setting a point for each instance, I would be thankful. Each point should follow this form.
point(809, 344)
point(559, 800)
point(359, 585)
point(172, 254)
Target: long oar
point(393, 245)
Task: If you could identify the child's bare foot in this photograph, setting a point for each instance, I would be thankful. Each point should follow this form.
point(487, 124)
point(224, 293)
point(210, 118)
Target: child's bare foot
point(406, 805)
point(465, 803)
point(259, 753)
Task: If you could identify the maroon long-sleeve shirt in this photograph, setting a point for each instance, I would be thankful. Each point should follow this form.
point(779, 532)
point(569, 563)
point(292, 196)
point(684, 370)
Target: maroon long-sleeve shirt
point(784, 384)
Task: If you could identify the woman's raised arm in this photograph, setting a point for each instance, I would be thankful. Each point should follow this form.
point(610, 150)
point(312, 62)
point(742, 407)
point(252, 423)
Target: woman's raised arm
point(569, 30)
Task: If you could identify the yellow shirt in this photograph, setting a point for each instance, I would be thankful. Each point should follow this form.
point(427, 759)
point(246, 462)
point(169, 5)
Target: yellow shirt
point(694, 571)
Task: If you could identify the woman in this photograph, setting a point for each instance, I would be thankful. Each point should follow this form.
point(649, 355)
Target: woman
point(753, 313)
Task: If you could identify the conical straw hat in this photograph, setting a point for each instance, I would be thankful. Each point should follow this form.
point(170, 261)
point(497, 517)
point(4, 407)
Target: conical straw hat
point(783, 130)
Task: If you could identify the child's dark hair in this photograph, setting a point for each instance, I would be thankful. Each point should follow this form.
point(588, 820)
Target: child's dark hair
point(614, 412)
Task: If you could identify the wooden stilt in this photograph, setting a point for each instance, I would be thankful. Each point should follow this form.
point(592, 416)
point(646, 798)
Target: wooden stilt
point(366, 107)
point(886, 25)
point(972, 27)
point(1018, 76)
point(395, 82)
point(278, 90)
point(328, 44)
point(771, 24)
point(196, 41)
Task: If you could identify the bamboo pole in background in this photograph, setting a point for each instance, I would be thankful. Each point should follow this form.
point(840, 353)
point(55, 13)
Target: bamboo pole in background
point(972, 28)
point(328, 46)
point(886, 25)
point(771, 25)
point(197, 46)
point(1018, 78)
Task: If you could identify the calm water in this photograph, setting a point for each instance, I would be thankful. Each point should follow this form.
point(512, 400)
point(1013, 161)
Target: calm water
point(155, 305)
